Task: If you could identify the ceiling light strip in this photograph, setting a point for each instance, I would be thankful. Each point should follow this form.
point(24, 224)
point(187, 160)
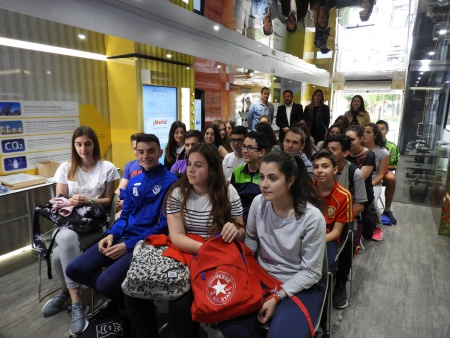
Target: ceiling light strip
point(50, 49)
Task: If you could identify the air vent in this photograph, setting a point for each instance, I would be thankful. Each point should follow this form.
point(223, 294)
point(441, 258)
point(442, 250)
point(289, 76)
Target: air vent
point(368, 85)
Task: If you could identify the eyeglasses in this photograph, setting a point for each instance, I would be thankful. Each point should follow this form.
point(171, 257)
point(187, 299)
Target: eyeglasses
point(250, 149)
point(236, 140)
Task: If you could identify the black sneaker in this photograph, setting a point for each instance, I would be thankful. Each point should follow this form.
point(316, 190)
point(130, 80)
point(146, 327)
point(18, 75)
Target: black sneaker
point(391, 217)
point(340, 300)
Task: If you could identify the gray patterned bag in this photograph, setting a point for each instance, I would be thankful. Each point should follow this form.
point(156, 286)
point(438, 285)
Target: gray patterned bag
point(155, 277)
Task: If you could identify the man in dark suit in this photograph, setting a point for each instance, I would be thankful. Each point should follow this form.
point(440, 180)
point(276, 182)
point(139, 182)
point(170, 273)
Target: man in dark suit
point(288, 114)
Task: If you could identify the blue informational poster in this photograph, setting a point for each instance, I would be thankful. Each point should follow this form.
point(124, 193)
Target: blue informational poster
point(160, 111)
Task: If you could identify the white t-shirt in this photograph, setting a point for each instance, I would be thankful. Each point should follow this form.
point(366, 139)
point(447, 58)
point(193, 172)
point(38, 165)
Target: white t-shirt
point(229, 163)
point(91, 184)
point(197, 218)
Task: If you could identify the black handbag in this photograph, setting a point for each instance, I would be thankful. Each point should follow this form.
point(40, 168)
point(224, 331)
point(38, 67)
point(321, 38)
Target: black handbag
point(84, 219)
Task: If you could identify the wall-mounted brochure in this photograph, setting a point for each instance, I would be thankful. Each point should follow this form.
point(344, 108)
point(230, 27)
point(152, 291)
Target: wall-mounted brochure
point(34, 131)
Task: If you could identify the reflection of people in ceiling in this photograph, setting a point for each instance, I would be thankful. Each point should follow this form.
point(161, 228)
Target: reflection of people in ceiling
point(267, 10)
point(295, 12)
point(367, 8)
point(321, 19)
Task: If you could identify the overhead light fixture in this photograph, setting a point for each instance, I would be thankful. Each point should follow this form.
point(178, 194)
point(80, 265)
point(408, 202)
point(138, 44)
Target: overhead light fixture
point(48, 72)
point(431, 53)
point(428, 88)
point(81, 36)
point(169, 56)
point(188, 68)
point(421, 73)
point(50, 49)
point(216, 27)
point(419, 78)
point(219, 66)
point(442, 32)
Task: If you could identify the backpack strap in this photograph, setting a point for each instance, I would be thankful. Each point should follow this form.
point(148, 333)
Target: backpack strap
point(306, 313)
point(48, 253)
point(269, 281)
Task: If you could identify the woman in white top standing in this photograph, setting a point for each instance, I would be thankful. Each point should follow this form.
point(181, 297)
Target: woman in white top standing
point(84, 180)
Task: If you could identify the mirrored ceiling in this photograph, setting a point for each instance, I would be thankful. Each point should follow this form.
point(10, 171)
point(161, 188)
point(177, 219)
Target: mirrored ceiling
point(373, 49)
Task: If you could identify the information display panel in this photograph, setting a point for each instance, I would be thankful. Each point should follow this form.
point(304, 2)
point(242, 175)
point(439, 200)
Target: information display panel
point(160, 109)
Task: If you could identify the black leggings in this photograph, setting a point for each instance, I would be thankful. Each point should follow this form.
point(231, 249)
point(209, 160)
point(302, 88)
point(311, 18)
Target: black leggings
point(142, 315)
point(144, 320)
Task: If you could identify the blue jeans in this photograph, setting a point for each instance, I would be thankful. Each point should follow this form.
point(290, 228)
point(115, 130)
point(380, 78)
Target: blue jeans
point(332, 248)
point(288, 320)
point(86, 269)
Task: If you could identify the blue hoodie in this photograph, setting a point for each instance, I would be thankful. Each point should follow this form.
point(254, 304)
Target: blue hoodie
point(142, 212)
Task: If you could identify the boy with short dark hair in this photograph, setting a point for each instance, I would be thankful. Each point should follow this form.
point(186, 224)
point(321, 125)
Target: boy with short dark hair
point(352, 179)
point(389, 178)
point(245, 178)
point(234, 159)
point(191, 138)
point(142, 216)
point(338, 200)
point(294, 142)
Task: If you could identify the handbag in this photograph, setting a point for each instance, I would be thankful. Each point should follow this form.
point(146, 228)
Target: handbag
point(87, 218)
point(154, 276)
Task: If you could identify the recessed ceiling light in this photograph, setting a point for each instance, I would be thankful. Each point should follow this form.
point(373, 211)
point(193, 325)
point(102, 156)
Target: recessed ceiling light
point(421, 73)
point(49, 72)
point(419, 78)
point(290, 81)
point(216, 27)
point(442, 32)
point(430, 53)
point(169, 55)
point(50, 49)
point(274, 78)
point(188, 68)
point(219, 66)
point(81, 36)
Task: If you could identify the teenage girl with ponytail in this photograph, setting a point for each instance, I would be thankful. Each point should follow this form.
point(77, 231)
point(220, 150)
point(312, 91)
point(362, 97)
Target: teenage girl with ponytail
point(286, 229)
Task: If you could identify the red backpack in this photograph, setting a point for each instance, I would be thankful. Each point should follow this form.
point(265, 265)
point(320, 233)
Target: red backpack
point(225, 282)
point(228, 282)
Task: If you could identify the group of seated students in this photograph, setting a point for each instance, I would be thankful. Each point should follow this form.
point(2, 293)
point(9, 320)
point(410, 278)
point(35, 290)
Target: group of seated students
point(283, 201)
